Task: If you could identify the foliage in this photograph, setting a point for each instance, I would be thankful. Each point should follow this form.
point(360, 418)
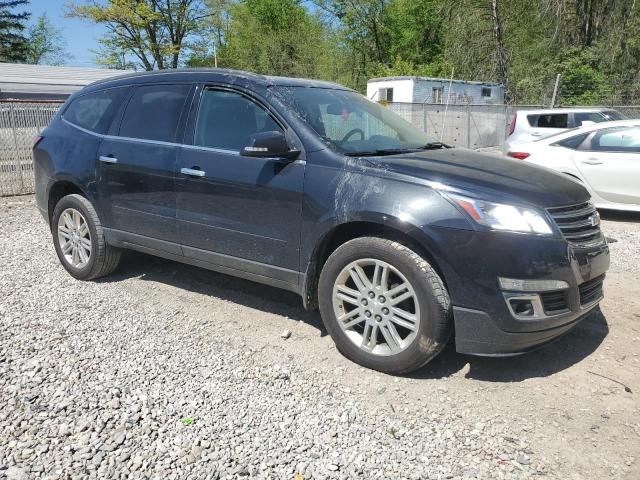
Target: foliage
point(155, 32)
point(13, 42)
point(593, 44)
point(46, 43)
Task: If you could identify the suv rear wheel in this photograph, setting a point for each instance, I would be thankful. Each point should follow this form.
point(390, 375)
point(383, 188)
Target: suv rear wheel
point(384, 306)
point(79, 241)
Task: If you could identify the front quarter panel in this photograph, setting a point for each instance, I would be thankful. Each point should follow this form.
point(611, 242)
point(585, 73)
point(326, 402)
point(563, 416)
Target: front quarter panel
point(365, 193)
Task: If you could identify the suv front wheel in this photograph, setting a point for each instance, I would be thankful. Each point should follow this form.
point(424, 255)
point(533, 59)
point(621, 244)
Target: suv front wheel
point(79, 240)
point(384, 306)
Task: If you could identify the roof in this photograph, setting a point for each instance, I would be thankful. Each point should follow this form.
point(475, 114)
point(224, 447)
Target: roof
point(19, 80)
point(216, 74)
point(433, 79)
point(547, 111)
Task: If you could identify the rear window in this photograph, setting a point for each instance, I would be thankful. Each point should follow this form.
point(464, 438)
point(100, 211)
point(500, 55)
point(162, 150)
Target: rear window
point(552, 120)
point(153, 112)
point(95, 111)
point(573, 142)
point(594, 117)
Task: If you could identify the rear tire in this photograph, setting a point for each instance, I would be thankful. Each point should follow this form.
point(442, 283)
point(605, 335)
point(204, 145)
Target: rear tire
point(79, 240)
point(399, 296)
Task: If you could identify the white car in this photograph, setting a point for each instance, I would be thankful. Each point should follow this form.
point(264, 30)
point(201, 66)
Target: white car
point(530, 125)
point(604, 157)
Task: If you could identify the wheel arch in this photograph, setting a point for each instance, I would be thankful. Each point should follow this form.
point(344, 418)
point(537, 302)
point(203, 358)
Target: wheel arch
point(59, 189)
point(336, 236)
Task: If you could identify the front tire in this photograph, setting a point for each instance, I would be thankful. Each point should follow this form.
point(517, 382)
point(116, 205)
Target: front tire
point(79, 240)
point(384, 306)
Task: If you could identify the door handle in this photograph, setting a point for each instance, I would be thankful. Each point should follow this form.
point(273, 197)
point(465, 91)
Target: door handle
point(536, 134)
point(194, 172)
point(592, 161)
point(106, 159)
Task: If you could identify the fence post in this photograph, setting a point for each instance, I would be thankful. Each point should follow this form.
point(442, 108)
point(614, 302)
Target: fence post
point(468, 126)
point(424, 117)
point(16, 155)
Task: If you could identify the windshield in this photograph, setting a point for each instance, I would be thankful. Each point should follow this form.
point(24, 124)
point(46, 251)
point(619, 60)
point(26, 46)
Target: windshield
point(353, 124)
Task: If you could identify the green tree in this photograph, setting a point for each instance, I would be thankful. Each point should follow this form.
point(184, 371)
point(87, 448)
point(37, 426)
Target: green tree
point(154, 32)
point(13, 42)
point(46, 44)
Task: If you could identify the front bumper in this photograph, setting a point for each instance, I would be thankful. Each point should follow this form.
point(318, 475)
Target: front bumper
point(477, 334)
point(484, 323)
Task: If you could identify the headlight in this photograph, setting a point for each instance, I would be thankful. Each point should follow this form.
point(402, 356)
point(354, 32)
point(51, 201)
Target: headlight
point(499, 216)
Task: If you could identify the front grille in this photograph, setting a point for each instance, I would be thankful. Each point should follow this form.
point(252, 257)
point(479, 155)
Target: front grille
point(591, 291)
point(580, 224)
point(554, 302)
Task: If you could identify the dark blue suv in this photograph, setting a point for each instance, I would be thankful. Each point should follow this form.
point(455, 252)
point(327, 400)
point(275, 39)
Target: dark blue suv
point(400, 240)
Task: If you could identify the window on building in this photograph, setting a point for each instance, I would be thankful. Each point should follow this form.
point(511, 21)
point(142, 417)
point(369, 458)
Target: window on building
point(385, 94)
point(486, 92)
point(95, 111)
point(436, 94)
point(153, 112)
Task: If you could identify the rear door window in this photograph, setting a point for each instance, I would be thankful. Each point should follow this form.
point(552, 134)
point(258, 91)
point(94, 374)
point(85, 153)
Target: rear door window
point(153, 113)
point(95, 111)
point(551, 120)
point(227, 120)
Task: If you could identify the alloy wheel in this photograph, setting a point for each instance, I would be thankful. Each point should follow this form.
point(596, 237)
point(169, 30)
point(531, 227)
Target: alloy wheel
point(376, 306)
point(74, 238)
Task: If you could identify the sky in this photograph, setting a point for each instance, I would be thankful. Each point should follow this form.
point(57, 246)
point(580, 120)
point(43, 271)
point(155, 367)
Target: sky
point(81, 36)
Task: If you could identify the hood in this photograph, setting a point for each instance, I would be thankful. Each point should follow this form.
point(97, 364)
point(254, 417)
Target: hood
point(488, 176)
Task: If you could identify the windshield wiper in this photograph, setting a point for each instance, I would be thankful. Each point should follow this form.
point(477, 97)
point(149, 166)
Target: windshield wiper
point(380, 152)
point(434, 146)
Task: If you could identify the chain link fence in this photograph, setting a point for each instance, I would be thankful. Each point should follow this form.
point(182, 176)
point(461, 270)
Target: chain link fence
point(20, 122)
point(471, 126)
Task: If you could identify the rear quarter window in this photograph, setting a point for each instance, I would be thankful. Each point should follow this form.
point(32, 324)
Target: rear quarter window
point(552, 120)
point(95, 111)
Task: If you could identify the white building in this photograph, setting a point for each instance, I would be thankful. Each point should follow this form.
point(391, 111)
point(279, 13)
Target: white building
point(434, 91)
point(44, 82)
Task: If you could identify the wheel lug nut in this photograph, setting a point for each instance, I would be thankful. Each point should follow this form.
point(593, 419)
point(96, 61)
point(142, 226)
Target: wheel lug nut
point(367, 314)
point(378, 318)
point(381, 299)
point(372, 295)
point(385, 310)
point(364, 302)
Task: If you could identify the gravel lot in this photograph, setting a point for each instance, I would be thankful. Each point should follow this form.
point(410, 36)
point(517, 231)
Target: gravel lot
point(168, 371)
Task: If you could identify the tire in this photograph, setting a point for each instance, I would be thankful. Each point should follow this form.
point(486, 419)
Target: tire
point(101, 259)
point(427, 299)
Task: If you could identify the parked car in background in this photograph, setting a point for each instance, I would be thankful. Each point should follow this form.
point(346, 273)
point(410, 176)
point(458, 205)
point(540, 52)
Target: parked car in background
point(399, 240)
point(529, 125)
point(604, 157)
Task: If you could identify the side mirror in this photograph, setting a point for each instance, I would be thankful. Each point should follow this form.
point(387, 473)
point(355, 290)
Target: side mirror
point(269, 145)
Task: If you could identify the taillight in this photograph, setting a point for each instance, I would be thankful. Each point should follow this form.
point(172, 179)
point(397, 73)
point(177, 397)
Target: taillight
point(512, 127)
point(519, 155)
point(36, 140)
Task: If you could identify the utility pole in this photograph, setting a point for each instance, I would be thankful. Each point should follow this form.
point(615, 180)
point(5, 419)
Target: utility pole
point(555, 91)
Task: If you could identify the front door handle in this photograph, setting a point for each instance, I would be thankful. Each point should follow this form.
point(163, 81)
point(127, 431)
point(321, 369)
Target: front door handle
point(592, 161)
point(107, 159)
point(194, 172)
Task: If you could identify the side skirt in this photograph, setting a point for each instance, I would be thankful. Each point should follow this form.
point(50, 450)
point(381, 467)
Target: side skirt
point(226, 264)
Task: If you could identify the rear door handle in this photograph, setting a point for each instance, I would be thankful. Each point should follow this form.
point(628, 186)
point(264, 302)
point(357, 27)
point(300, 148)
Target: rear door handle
point(592, 161)
point(192, 172)
point(106, 159)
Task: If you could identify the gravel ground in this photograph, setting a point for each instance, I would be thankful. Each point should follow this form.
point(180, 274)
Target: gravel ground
point(168, 371)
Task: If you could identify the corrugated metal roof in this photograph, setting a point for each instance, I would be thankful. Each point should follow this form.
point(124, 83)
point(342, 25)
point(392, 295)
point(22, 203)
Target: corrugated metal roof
point(47, 79)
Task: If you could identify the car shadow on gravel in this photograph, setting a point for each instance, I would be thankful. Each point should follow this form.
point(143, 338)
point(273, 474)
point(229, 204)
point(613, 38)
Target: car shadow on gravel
point(571, 348)
point(619, 216)
point(206, 282)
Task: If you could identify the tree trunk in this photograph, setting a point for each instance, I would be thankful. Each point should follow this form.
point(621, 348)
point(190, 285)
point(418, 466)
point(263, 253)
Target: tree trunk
point(501, 54)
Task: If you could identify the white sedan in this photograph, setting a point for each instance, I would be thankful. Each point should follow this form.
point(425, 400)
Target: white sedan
point(604, 157)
